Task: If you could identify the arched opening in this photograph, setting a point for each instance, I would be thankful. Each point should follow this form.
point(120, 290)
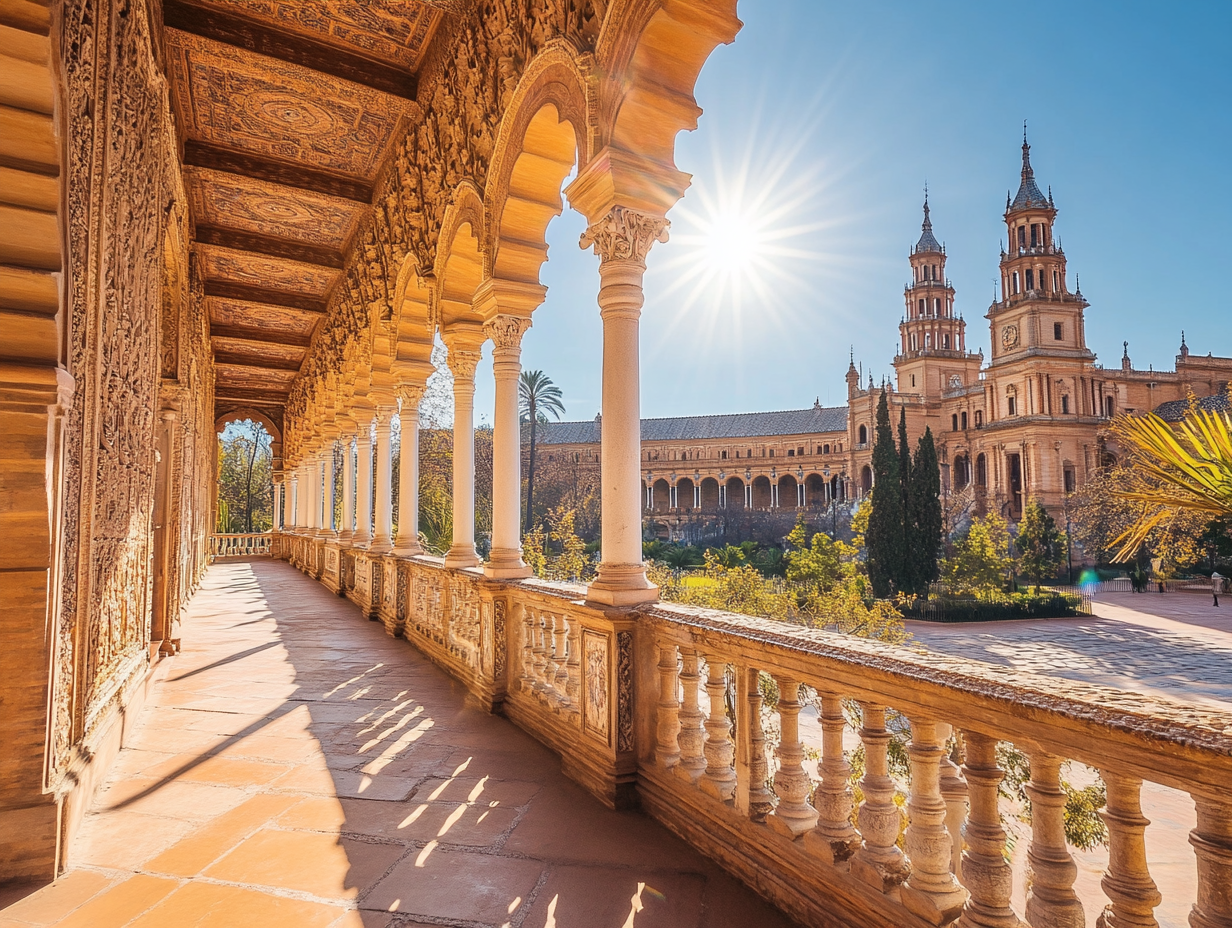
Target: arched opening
point(838, 489)
point(863, 435)
point(684, 494)
point(734, 490)
point(710, 493)
point(789, 492)
point(762, 495)
point(815, 490)
point(245, 490)
point(661, 495)
point(962, 472)
point(866, 480)
point(981, 471)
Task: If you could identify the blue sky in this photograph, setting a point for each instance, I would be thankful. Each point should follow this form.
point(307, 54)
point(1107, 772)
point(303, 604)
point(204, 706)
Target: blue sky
point(836, 114)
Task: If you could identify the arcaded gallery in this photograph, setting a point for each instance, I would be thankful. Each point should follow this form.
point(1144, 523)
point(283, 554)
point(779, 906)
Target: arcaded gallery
point(214, 211)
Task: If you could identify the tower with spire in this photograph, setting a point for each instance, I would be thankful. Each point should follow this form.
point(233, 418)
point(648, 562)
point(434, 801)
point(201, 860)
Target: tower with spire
point(1037, 314)
point(932, 355)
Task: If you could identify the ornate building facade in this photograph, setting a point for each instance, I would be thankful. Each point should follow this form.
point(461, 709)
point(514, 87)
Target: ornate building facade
point(1031, 422)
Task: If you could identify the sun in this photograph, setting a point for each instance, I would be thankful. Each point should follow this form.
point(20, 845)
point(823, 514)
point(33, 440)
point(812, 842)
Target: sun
point(732, 243)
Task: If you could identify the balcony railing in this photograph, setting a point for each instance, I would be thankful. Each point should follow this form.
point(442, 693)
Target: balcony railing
point(241, 544)
point(662, 706)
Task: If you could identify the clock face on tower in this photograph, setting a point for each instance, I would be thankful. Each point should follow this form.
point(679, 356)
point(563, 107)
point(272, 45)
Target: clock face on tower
point(1009, 337)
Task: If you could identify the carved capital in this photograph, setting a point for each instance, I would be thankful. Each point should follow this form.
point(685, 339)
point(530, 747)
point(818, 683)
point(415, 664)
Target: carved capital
point(462, 363)
point(411, 395)
point(625, 235)
point(506, 331)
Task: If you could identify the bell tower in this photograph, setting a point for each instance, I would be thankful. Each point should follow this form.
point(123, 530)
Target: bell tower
point(1037, 314)
point(933, 341)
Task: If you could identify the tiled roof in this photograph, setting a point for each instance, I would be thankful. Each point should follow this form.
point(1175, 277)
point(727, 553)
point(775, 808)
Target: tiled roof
point(1174, 410)
point(815, 419)
point(928, 242)
point(1028, 192)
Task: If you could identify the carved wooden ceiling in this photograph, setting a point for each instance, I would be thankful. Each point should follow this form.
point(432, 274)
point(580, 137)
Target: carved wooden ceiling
point(287, 111)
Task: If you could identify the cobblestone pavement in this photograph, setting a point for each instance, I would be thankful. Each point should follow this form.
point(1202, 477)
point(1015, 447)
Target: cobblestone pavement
point(1176, 645)
point(297, 767)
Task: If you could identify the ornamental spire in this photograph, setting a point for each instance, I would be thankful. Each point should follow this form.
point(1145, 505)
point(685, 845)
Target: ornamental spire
point(1029, 194)
point(928, 242)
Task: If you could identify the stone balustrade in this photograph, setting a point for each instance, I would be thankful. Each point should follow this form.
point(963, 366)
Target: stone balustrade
point(240, 544)
point(664, 706)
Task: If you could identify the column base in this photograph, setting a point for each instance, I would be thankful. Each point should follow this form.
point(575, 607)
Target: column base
point(622, 585)
point(360, 541)
point(463, 555)
point(505, 564)
point(381, 546)
point(408, 550)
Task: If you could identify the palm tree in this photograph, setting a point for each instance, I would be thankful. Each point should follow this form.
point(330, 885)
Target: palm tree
point(1187, 468)
point(538, 398)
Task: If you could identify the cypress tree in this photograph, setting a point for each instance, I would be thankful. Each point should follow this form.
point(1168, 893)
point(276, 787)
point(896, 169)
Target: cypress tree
point(927, 521)
point(904, 577)
point(885, 520)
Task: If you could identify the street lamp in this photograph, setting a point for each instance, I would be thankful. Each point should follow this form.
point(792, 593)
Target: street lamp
point(825, 472)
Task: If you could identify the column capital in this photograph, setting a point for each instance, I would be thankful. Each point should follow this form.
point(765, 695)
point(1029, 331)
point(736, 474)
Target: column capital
point(411, 394)
point(624, 234)
point(462, 363)
point(506, 330)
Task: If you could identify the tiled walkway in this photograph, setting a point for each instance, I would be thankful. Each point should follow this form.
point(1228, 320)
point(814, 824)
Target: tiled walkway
point(297, 767)
point(1177, 645)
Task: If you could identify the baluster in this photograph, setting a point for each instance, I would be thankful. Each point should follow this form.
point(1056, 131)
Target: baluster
point(878, 862)
point(560, 682)
point(573, 666)
point(954, 792)
point(541, 653)
point(985, 871)
point(719, 780)
point(761, 799)
point(667, 749)
point(528, 648)
point(1212, 844)
point(835, 838)
point(931, 891)
point(793, 816)
point(1051, 900)
point(1128, 881)
point(692, 761)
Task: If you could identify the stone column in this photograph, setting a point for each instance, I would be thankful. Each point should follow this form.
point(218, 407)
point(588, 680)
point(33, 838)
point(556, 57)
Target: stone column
point(407, 542)
point(279, 486)
point(622, 239)
point(313, 496)
point(363, 483)
point(382, 538)
point(328, 509)
point(463, 358)
point(506, 332)
point(347, 530)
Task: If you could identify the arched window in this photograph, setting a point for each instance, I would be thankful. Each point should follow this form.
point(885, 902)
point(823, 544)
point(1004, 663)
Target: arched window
point(981, 471)
point(979, 418)
point(1016, 278)
point(1030, 279)
point(1109, 406)
point(945, 341)
point(954, 422)
point(866, 478)
point(936, 307)
point(963, 419)
point(864, 434)
point(826, 449)
point(921, 307)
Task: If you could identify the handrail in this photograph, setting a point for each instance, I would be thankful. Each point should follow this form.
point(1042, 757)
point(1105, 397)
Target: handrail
point(662, 706)
point(241, 544)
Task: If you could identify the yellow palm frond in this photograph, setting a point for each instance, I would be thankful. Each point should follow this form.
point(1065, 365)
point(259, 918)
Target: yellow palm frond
point(1186, 468)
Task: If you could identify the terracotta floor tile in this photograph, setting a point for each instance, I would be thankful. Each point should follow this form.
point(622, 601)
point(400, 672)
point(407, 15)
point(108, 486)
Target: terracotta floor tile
point(172, 798)
point(226, 771)
point(482, 790)
point(205, 905)
point(304, 861)
point(411, 822)
point(455, 885)
point(125, 840)
point(306, 778)
point(322, 813)
point(275, 749)
point(120, 904)
point(52, 903)
point(593, 897)
point(206, 844)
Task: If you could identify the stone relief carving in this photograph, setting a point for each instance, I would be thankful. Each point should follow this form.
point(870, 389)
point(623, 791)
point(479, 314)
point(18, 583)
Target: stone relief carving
point(498, 636)
point(594, 657)
point(624, 691)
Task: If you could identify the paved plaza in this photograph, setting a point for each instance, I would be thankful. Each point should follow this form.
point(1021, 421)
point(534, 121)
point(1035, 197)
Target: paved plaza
point(297, 767)
point(1176, 645)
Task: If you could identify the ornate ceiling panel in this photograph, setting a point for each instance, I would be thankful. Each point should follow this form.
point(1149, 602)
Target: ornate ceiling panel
point(233, 201)
point(396, 31)
point(276, 322)
point(242, 377)
point(240, 350)
point(266, 273)
point(241, 101)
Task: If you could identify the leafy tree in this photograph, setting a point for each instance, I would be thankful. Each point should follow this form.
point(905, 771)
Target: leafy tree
point(885, 522)
point(817, 562)
point(905, 577)
point(538, 398)
point(245, 477)
point(1187, 468)
point(981, 558)
point(927, 521)
point(1040, 544)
